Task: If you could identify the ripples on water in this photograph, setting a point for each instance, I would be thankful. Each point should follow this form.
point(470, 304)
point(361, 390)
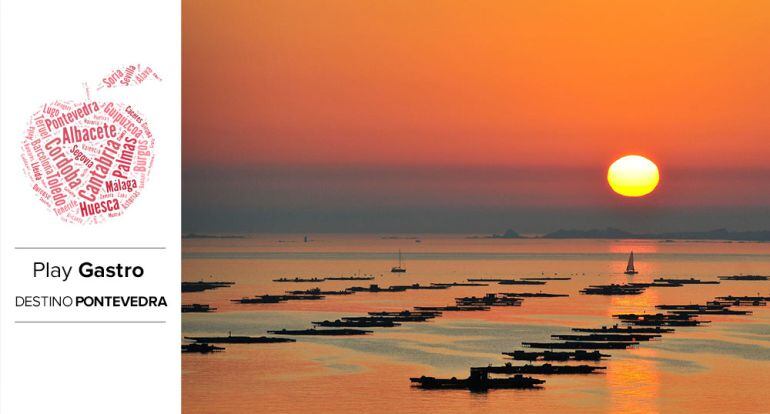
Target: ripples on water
point(717, 368)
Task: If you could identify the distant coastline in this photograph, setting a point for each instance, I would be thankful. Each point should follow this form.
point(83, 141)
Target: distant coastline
point(613, 233)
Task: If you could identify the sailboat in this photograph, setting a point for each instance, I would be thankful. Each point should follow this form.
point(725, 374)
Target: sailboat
point(399, 268)
point(630, 267)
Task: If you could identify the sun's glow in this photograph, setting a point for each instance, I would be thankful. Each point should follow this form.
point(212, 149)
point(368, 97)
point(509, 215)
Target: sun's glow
point(633, 176)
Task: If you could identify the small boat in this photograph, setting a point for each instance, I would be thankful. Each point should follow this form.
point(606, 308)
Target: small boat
point(200, 348)
point(478, 381)
point(545, 369)
point(321, 332)
point(230, 339)
point(630, 270)
point(400, 268)
point(198, 308)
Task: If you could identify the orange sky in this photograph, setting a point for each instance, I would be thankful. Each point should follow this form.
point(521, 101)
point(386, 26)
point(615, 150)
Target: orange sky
point(547, 85)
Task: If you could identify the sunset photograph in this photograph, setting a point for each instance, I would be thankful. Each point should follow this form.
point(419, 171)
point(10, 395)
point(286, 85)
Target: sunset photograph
point(475, 207)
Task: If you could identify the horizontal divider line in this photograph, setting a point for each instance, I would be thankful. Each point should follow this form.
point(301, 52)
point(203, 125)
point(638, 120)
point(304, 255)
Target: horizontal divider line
point(89, 248)
point(89, 321)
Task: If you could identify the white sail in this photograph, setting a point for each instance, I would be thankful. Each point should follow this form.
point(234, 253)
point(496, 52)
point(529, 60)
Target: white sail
point(630, 266)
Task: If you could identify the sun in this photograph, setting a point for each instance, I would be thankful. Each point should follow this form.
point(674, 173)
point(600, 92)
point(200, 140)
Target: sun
point(633, 176)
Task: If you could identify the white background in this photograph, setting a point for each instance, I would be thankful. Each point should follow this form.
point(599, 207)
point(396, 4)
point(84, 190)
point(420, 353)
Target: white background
point(47, 50)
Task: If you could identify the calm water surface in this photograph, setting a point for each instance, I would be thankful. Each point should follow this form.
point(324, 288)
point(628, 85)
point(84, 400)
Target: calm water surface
point(724, 367)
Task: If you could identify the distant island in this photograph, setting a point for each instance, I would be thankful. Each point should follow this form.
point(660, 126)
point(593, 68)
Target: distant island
point(210, 236)
point(613, 233)
point(508, 234)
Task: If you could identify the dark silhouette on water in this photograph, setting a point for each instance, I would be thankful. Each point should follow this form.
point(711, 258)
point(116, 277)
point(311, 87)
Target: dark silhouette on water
point(299, 280)
point(654, 284)
point(260, 299)
point(452, 308)
point(407, 313)
point(650, 316)
point(625, 330)
point(198, 308)
point(321, 332)
point(611, 337)
point(666, 322)
point(478, 381)
point(612, 290)
point(400, 268)
point(546, 278)
point(200, 286)
point(745, 277)
point(690, 281)
point(318, 291)
point(358, 323)
point(200, 348)
point(745, 298)
point(374, 288)
point(520, 282)
point(630, 270)
point(230, 339)
point(579, 345)
point(579, 355)
point(533, 295)
point(545, 369)
point(485, 279)
point(351, 278)
point(417, 286)
point(490, 299)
